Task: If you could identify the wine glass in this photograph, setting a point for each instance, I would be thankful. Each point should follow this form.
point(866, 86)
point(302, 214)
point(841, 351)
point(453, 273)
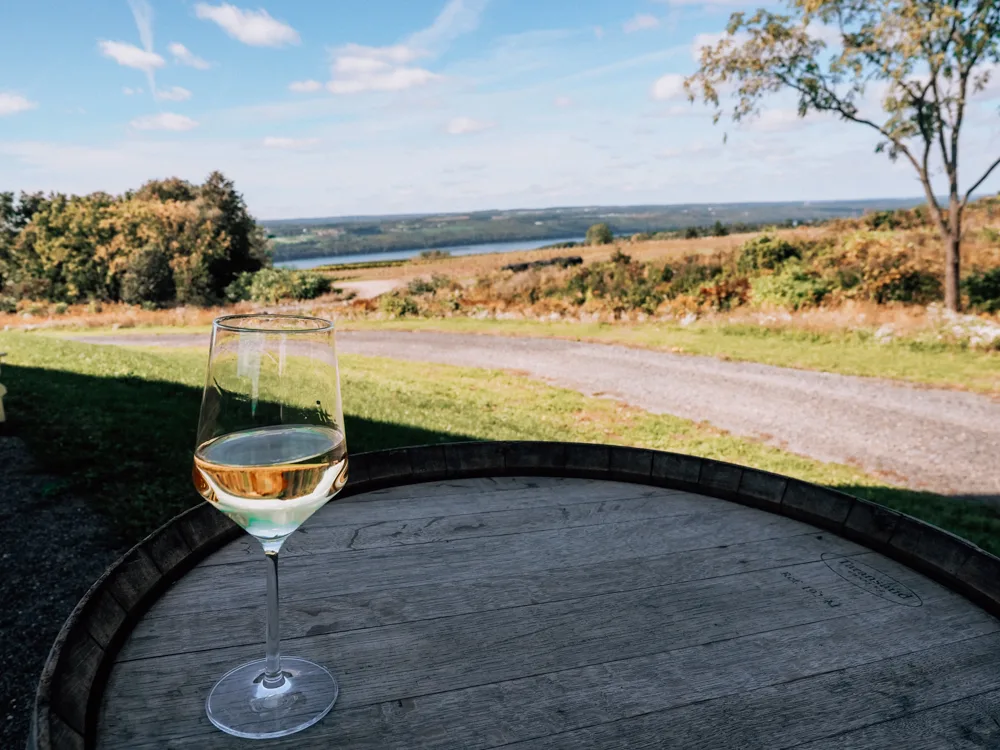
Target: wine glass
point(271, 451)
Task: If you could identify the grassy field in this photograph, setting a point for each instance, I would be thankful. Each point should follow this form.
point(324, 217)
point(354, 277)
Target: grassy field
point(117, 427)
point(846, 353)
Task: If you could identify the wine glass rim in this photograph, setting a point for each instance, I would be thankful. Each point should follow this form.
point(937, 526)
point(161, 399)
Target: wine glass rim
point(231, 323)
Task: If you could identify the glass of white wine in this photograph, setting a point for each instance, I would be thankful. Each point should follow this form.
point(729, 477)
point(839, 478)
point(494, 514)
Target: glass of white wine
point(271, 451)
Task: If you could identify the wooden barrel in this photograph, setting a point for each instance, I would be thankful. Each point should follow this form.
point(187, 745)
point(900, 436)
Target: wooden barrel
point(69, 699)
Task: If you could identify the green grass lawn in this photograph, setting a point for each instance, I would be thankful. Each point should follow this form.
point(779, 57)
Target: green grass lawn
point(116, 426)
point(847, 353)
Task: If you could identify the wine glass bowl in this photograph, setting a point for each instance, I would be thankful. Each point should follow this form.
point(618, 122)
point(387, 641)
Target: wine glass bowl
point(271, 450)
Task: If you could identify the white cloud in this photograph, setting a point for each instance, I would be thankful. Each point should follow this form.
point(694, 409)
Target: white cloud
point(668, 87)
point(129, 91)
point(466, 125)
point(305, 87)
point(599, 32)
point(393, 79)
point(640, 22)
point(253, 27)
point(778, 120)
point(184, 56)
point(290, 144)
point(562, 101)
point(359, 68)
point(174, 94)
point(11, 104)
point(131, 56)
point(458, 17)
point(164, 121)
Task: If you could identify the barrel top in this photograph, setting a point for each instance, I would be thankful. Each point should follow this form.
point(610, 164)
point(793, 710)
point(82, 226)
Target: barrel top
point(537, 611)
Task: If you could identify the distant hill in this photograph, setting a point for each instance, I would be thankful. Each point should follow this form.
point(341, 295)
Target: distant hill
point(309, 238)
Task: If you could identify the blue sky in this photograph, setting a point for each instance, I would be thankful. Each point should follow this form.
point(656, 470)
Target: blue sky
point(331, 107)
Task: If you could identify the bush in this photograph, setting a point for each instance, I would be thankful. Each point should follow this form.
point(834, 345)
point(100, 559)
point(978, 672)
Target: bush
point(718, 230)
point(621, 283)
point(983, 288)
point(269, 285)
point(149, 279)
point(792, 287)
point(600, 234)
point(765, 253)
point(691, 233)
point(689, 276)
point(424, 286)
point(434, 255)
point(398, 305)
point(725, 293)
point(60, 308)
point(8, 304)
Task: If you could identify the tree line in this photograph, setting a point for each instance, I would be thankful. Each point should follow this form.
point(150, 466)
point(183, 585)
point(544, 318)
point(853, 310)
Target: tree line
point(170, 241)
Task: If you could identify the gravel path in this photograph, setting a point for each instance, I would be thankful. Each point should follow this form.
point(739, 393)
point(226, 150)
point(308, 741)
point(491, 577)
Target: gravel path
point(945, 441)
point(55, 548)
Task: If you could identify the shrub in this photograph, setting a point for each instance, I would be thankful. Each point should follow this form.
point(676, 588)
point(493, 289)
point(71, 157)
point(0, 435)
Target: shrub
point(600, 234)
point(991, 235)
point(792, 287)
point(269, 285)
point(425, 286)
point(765, 253)
point(60, 308)
point(149, 279)
point(725, 293)
point(8, 304)
point(398, 305)
point(691, 233)
point(434, 255)
point(689, 276)
point(983, 288)
point(718, 230)
point(239, 289)
point(620, 283)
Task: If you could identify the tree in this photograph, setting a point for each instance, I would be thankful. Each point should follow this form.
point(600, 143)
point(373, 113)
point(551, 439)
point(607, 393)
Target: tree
point(928, 57)
point(148, 278)
point(600, 234)
point(718, 230)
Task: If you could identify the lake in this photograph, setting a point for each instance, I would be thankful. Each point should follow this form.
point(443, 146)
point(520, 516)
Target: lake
point(487, 247)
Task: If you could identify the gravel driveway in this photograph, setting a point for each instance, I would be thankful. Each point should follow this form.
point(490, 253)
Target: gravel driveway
point(945, 441)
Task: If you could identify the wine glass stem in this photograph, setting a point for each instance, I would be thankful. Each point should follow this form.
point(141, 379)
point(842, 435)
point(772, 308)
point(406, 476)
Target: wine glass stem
point(272, 665)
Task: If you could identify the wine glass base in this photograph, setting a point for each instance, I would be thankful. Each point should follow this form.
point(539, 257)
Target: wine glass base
point(240, 704)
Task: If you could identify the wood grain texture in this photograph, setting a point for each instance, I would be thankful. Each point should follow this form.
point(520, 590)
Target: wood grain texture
point(546, 595)
point(563, 613)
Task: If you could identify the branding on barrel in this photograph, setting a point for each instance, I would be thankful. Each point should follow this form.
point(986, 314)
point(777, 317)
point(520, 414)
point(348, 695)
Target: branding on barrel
point(871, 580)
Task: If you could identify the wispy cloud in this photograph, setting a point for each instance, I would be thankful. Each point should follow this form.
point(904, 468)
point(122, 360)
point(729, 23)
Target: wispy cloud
point(358, 68)
point(184, 56)
point(640, 22)
point(305, 87)
point(599, 32)
point(164, 121)
point(256, 28)
point(142, 12)
point(174, 94)
point(562, 101)
point(290, 144)
point(11, 104)
point(131, 56)
point(668, 87)
point(129, 91)
point(467, 125)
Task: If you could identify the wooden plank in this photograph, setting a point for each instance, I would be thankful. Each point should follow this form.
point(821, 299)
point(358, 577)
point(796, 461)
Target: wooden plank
point(312, 612)
point(401, 661)
point(375, 525)
point(335, 573)
point(816, 709)
point(686, 672)
point(969, 724)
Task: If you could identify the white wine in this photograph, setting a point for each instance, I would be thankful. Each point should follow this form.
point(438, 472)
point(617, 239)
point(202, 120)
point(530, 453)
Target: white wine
point(270, 480)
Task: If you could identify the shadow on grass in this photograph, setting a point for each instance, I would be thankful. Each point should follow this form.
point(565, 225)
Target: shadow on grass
point(125, 444)
point(975, 517)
